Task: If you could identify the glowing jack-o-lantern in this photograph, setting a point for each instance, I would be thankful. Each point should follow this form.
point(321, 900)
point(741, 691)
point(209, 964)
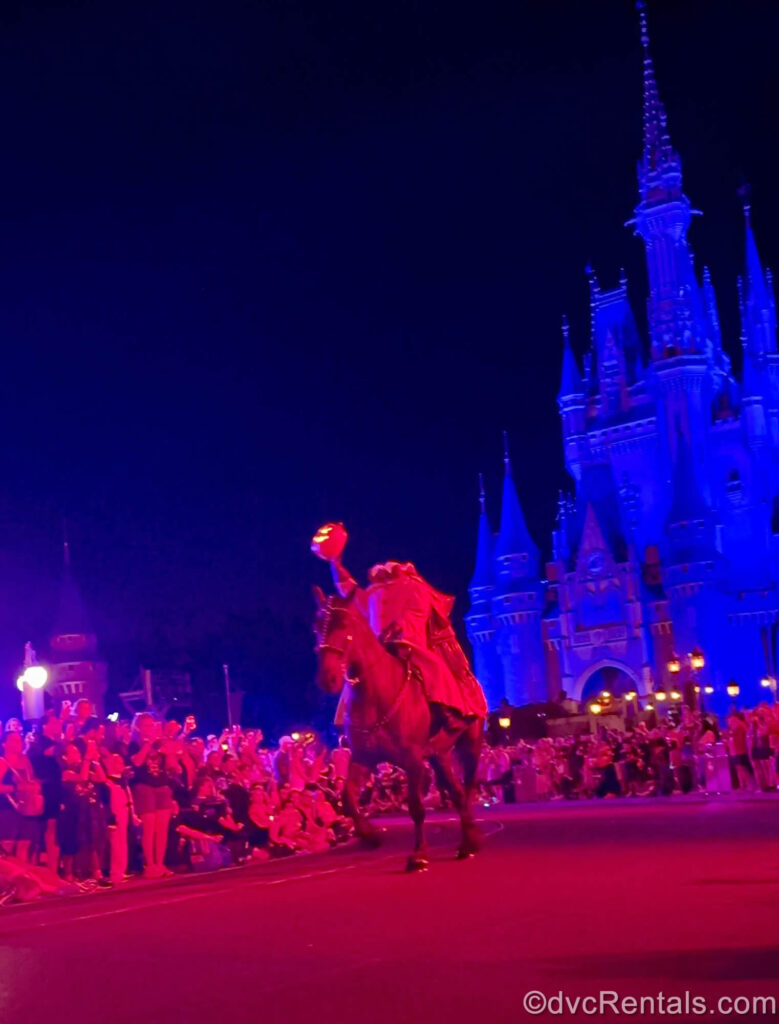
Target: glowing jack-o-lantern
point(329, 541)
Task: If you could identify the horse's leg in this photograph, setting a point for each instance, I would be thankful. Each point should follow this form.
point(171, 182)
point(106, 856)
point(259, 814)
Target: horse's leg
point(418, 860)
point(448, 782)
point(355, 780)
point(468, 747)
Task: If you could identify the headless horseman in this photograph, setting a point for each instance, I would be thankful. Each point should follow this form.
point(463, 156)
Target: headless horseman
point(412, 619)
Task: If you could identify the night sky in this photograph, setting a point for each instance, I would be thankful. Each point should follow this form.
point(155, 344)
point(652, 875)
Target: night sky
point(268, 264)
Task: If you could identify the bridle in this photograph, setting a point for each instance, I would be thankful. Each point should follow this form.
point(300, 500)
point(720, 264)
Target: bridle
point(322, 629)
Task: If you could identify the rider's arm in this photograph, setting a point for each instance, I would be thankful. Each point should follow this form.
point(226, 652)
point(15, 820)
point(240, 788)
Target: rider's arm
point(345, 583)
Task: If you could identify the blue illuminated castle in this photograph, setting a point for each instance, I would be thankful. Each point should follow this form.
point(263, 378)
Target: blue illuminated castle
point(670, 541)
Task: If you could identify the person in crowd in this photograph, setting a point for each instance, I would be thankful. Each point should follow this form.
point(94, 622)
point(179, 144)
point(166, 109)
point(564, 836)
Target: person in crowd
point(152, 791)
point(121, 815)
point(83, 820)
point(22, 791)
point(45, 753)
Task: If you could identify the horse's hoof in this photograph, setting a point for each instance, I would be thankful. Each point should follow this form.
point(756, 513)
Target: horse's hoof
point(417, 863)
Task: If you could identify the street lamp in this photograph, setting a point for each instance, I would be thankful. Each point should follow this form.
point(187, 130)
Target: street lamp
point(674, 665)
point(661, 695)
point(30, 684)
point(595, 708)
point(504, 722)
point(697, 661)
point(733, 688)
point(769, 683)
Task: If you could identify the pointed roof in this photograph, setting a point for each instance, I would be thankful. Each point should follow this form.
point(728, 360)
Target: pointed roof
point(755, 275)
point(710, 309)
point(658, 157)
point(514, 538)
point(571, 381)
point(758, 308)
point(71, 618)
point(688, 505)
point(484, 572)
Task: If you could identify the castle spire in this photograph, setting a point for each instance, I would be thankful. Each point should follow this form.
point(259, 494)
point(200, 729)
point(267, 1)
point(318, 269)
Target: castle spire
point(484, 572)
point(662, 217)
point(658, 156)
point(514, 538)
point(758, 308)
point(571, 381)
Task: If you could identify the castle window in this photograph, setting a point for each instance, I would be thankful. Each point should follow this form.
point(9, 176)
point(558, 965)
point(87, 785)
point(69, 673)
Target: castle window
point(733, 487)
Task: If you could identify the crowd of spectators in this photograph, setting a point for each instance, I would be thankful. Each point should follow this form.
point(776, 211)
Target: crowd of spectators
point(681, 755)
point(97, 802)
point(89, 804)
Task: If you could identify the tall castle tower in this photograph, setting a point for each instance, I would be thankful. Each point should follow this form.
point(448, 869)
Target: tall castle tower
point(76, 670)
point(670, 538)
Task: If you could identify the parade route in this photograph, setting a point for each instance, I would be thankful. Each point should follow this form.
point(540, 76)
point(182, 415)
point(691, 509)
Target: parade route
point(638, 898)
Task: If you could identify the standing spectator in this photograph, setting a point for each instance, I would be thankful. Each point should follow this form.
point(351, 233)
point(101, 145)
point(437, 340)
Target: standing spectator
point(83, 817)
point(152, 793)
point(122, 815)
point(739, 750)
point(45, 753)
point(23, 792)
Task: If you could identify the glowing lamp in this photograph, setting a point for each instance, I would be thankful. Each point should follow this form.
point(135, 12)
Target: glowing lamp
point(595, 708)
point(631, 695)
point(20, 684)
point(35, 676)
point(504, 722)
point(697, 661)
point(661, 696)
point(697, 689)
point(765, 682)
point(733, 689)
point(113, 717)
point(295, 736)
point(675, 695)
point(650, 707)
point(674, 665)
point(329, 541)
point(708, 689)
point(606, 695)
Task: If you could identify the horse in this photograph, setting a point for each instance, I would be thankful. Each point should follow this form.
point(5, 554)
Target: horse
point(388, 718)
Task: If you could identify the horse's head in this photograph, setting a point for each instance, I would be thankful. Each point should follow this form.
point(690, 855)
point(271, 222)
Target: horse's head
point(334, 634)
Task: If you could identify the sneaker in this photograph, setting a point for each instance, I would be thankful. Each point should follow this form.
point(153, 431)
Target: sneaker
point(104, 883)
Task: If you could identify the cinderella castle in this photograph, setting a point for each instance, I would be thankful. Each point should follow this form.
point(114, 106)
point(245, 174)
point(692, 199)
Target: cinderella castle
point(669, 543)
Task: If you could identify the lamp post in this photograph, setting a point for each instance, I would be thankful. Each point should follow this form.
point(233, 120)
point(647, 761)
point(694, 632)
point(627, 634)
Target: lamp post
point(696, 661)
point(733, 689)
point(30, 684)
point(769, 683)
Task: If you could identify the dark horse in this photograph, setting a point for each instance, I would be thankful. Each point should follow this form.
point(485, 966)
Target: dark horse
point(388, 718)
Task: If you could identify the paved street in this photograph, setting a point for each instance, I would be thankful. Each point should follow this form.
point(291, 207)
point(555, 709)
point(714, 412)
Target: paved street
point(635, 897)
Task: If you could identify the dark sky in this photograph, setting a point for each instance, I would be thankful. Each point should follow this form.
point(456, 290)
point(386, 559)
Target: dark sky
point(271, 263)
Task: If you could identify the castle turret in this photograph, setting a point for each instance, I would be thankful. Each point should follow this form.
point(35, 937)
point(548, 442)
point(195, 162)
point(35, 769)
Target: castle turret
point(758, 308)
point(758, 336)
point(76, 668)
point(572, 405)
point(683, 378)
point(478, 622)
point(517, 604)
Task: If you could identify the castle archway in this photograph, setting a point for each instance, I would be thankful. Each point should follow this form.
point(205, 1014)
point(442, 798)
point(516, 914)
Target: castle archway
point(607, 674)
